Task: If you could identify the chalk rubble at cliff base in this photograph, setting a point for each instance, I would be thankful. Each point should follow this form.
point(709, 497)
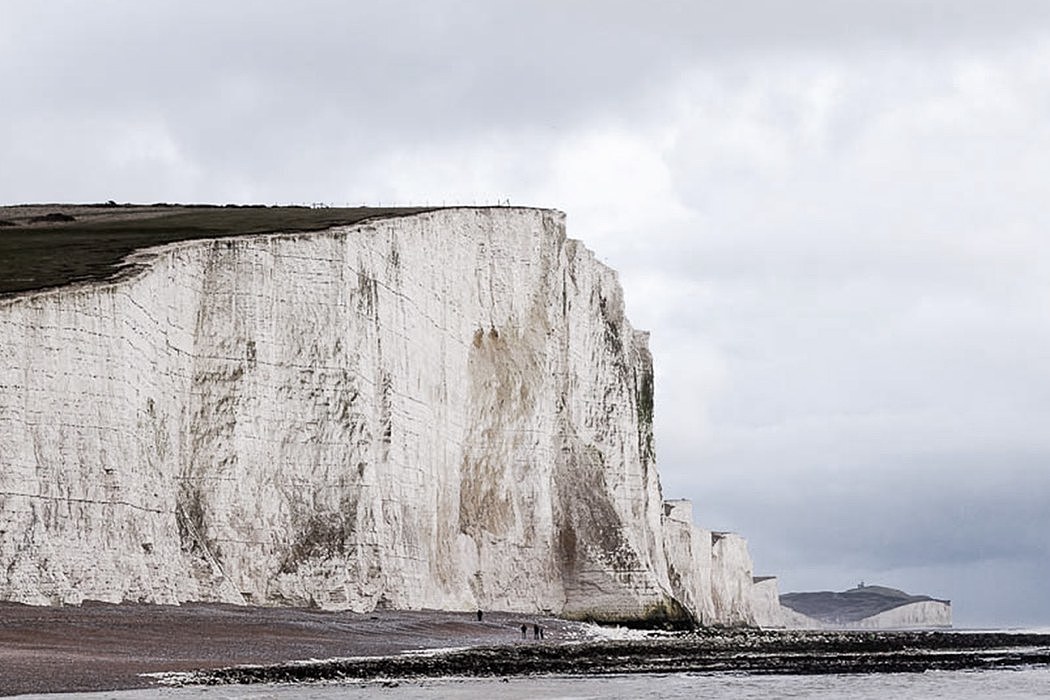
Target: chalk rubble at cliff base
point(440, 411)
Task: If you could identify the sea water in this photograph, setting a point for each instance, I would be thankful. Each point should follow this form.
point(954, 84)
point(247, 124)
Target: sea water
point(957, 685)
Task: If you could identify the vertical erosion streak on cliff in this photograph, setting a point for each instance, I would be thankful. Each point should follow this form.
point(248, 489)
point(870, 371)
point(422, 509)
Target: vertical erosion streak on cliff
point(643, 380)
point(217, 387)
point(501, 371)
point(608, 493)
point(504, 515)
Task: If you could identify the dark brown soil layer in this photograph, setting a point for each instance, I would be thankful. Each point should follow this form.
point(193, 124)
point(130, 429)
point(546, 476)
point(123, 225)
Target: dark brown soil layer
point(106, 647)
point(712, 652)
point(51, 245)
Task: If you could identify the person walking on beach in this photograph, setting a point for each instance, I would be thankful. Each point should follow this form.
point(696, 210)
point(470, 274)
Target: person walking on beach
point(524, 631)
point(479, 616)
point(535, 631)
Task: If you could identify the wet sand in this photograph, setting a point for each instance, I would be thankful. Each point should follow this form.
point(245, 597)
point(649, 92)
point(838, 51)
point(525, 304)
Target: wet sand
point(105, 647)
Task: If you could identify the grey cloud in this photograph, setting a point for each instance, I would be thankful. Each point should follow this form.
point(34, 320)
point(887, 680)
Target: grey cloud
point(266, 84)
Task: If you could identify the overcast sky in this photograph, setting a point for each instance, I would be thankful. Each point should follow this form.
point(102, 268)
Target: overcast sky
point(831, 214)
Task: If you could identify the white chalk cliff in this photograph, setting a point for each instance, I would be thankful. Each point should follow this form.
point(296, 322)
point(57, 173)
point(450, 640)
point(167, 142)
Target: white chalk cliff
point(446, 410)
point(864, 607)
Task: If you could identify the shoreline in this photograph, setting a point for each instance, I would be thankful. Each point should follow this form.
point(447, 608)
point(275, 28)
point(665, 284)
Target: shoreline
point(107, 647)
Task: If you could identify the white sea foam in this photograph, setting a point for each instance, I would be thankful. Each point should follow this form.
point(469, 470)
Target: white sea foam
point(615, 633)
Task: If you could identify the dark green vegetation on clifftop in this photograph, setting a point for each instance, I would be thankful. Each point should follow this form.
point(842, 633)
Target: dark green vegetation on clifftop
point(45, 246)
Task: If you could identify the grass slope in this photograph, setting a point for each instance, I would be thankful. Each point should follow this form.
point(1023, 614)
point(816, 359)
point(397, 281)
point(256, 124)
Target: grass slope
point(45, 246)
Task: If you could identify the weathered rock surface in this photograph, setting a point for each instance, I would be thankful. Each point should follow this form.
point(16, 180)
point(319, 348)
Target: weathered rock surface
point(447, 410)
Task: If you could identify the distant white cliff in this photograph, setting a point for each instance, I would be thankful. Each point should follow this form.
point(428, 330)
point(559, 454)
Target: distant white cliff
point(446, 410)
point(864, 607)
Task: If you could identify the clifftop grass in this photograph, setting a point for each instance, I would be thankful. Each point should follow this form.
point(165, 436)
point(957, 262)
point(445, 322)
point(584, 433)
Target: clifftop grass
point(46, 246)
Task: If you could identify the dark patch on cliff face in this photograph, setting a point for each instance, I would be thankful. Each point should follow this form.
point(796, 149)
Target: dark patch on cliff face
point(386, 419)
point(250, 354)
point(484, 505)
point(567, 546)
point(643, 382)
point(591, 540)
point(503, 367)
point(612, 328)
point(668, 614)
point(191, 521)
point(644, 388)
point(26, 544)
point(367, 295)
point(344, 410)
point(589, 520)
point(484, 502)
point(321, 536)
point(613, 336)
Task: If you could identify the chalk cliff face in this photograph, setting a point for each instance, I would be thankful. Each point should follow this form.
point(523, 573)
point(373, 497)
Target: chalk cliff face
point(928, 614)
point(765, 603)
point(447, 410)
point(923, 614)
point(710, 572)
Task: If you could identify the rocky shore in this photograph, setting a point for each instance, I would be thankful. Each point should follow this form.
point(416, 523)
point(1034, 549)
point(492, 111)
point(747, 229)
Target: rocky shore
point(740, 651)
